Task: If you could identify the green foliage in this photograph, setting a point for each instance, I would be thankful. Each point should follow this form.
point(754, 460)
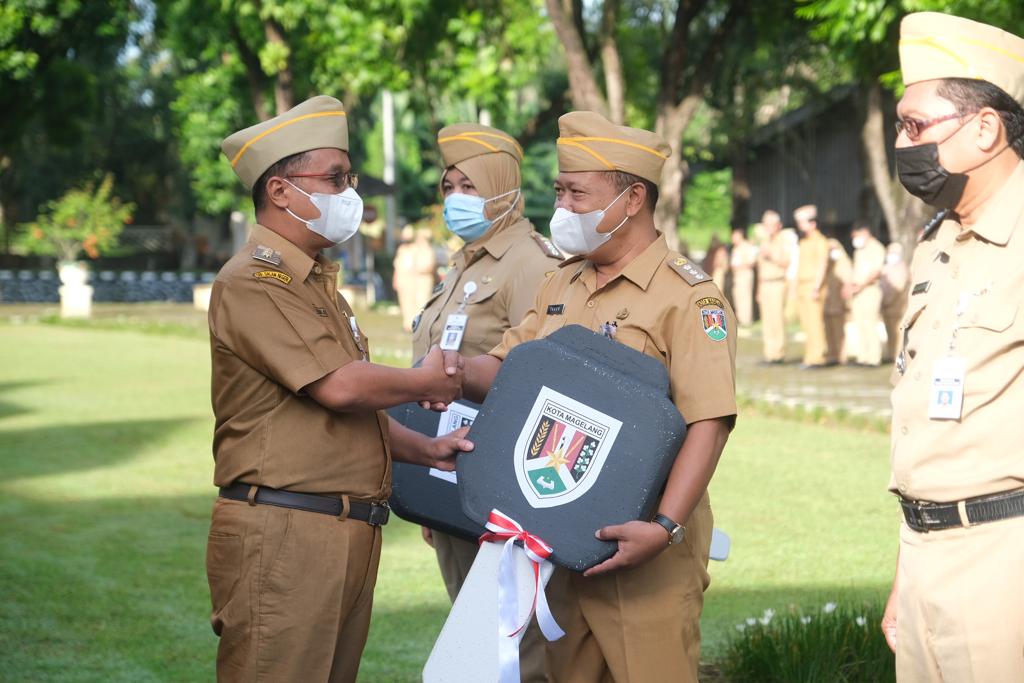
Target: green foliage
point(88, 219)
point(707, 209)
point(833, 644)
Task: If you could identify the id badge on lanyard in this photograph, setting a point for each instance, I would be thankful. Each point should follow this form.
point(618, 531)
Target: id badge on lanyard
point(946, 396)
point(455, 325)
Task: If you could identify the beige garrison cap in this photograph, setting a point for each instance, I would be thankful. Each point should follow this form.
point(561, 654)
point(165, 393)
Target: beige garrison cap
point(934, 45)
point(590, 142)
point(462, 141)
point(317, 123)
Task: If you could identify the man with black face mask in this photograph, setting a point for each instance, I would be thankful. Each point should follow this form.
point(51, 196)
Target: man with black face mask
point(956, 611)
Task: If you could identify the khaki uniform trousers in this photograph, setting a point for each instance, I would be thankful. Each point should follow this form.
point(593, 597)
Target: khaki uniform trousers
point(835, 336)
point(960, 611)
point(743, 295)
point(291, 592)
point(639, 625)
point(866, 312)
point(773, 318)
point(812, 321)
point(455, 556)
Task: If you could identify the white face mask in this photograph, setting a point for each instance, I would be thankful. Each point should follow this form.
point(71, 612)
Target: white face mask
point(859, 241)
point(340, 214)
point(576, 233)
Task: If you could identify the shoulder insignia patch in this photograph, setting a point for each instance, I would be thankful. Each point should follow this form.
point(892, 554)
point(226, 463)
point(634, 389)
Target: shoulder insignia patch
point(687, 270)
point(547, 246)
point(712, 317)
point(275, 274)
point(267, 255)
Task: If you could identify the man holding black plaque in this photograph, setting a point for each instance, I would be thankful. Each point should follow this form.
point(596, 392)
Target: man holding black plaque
point(642, 624)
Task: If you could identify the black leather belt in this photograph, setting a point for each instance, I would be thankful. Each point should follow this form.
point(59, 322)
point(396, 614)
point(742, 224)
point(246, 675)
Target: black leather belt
point(373, 513)
point(924, 516)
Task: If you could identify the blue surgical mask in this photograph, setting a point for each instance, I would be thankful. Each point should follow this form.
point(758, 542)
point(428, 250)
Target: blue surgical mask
point(464, 214)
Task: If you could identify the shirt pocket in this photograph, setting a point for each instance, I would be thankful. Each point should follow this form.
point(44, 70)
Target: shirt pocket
point(635, 338)
point(991, 313)
point(486, 318)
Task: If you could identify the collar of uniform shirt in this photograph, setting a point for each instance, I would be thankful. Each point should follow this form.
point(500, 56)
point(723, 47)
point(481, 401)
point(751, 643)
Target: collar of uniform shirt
point(640, 271)
point(1003, 211)
point(294, 259)
point(499, 243)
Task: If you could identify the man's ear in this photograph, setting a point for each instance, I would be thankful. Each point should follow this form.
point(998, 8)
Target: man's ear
point(991, 130)
point(277, 192)
point(636, 198)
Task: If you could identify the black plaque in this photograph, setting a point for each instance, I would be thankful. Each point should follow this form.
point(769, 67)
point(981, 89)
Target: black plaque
point(425, 496)
point(578, 432)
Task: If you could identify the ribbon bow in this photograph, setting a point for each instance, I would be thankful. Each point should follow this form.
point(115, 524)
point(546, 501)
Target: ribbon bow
point(501, 527)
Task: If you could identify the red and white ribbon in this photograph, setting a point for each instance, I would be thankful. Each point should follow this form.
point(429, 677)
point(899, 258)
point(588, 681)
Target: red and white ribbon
point(502, 528)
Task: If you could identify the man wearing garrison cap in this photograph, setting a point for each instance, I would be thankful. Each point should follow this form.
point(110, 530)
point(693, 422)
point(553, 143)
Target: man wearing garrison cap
point(642, 624)
point(956, 611)
point(302, 447)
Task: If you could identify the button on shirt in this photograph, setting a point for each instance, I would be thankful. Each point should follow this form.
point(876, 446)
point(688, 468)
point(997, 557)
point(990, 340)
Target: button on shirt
point(507, 269)
point(657, 313)
point(980, 273)
point(274, 328)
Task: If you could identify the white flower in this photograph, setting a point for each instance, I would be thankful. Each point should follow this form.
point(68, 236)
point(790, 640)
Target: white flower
point(751, 621)
point(741, 627)
point(861, 621)
point(805, 620)
point(829, 607)
point(766, 618)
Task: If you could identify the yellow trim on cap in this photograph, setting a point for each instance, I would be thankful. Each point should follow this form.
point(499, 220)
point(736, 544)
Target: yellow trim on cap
point(933, 43)
point(470, 136)
point(617, 142)
point(569, 142)
point(994, 48)
point(279, 126)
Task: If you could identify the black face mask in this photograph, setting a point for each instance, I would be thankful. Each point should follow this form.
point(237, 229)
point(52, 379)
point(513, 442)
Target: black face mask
point(925, 178)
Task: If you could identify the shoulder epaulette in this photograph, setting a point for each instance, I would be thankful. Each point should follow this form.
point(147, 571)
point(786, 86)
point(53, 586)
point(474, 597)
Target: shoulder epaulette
point(570, 260)
point(931, 228)
point(547, 246)
point(687, 270)
point(267, 255)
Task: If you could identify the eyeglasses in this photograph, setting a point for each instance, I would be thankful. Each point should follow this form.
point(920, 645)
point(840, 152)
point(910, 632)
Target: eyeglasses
point(339, 180)
point(914, 127)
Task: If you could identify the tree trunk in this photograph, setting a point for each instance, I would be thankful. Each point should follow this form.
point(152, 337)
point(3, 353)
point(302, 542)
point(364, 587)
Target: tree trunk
point(284, 97)
point(582, 85)
point(740, 218)
point(253, 73)
point(671, 124)
point(614, 81)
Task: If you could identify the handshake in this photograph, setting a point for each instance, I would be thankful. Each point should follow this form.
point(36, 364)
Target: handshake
point(443, 376)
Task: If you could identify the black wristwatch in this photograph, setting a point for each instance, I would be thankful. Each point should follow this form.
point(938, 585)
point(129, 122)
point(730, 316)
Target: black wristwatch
point(675, 531)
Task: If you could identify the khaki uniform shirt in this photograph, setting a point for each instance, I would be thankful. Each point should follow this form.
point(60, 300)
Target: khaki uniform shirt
point(868, 262)
point(507, 269)
point(743, 256)
point(814, 253)
point(773, 254)
point(277, 324)
point(836, 276)
point(982, 269)
point(660, 305)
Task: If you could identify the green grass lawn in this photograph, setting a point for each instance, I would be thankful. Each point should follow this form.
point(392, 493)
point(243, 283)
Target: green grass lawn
point(105, 499)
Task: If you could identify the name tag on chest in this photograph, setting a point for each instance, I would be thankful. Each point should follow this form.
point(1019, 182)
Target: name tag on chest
point(454, 329)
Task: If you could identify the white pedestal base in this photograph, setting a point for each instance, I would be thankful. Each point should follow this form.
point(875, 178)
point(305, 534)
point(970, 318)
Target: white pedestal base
point(75, 301)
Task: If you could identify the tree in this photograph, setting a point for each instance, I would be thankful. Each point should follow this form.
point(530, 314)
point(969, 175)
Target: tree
point(683, 42)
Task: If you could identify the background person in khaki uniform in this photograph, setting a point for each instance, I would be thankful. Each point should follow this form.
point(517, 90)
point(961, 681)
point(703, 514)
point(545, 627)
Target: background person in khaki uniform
point(894, 283)
point(812, 268)
point(302, 450)
point(415, 266)
point(837, 278)
point(772, 264)
point(956, 612)
point(635, 617)
point(865, 294)
point(741, 262)
point(506, 260)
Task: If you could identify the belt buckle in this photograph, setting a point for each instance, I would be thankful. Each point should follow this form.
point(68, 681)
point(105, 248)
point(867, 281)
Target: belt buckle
point(914, 514)
point(379, 514)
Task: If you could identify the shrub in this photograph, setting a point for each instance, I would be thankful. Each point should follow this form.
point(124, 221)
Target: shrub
point(833, 644)
point(85, 219)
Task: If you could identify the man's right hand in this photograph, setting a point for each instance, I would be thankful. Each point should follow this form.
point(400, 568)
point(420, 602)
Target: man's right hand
point(889, 617)
point(444, 372)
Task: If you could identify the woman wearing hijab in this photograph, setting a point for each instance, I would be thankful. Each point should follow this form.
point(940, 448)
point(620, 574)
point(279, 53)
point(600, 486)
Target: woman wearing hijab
point(493, 279)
